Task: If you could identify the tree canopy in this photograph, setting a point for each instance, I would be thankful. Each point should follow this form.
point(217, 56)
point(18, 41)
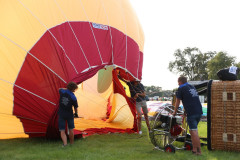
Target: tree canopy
point(191, 62)
point(220, 61)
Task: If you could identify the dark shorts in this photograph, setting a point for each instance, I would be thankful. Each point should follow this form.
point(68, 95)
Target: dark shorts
point(193, 121)
point(62, 123)
point(141, 106)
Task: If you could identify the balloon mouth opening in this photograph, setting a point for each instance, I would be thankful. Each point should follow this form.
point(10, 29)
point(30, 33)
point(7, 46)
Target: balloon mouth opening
point(99, 106)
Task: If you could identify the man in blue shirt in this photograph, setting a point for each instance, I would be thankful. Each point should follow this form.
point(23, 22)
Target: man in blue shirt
point(193, 108)
point(65, 113)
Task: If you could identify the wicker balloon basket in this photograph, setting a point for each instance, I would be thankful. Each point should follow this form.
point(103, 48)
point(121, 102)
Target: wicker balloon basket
point(224, 115)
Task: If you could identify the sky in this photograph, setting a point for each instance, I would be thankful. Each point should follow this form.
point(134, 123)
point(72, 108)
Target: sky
point(168, 25)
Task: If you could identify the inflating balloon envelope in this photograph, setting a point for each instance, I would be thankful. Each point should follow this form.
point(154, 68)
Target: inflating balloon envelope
point(44, 44)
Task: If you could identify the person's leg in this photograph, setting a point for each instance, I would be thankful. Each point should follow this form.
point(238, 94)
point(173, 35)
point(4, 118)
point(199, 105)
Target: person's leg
point(193, 123)
point(71, 136)
point(64, 137)
point(145, 112)
point(195, 142)
point(139, 116)
point(61, 126)
point(139, 121)
point(147, 121)
point(70, 127)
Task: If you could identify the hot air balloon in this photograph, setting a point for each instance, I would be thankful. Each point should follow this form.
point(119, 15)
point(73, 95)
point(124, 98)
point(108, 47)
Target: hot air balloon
point(44, 44)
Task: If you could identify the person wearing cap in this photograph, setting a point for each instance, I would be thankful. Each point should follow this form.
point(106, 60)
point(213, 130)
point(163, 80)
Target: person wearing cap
point(138, 93)
point(193, 109)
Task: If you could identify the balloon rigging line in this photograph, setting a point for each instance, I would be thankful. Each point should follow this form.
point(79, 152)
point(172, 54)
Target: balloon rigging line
point(28, 91)
point(109, 29)
point(23, 117)
point(92, 32)
point(124, 20)
point(115, 114)
point(33, 57)
point(6, 114)
point(73, 33)
point(35, 132)
point(126, 70)
point(138, 62)
point(50, 33)
point(13, 133)
point(35, 94)
point(31, 119)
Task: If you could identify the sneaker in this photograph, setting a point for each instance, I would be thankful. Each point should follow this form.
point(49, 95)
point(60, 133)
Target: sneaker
point(64, 145)
point(140, 132)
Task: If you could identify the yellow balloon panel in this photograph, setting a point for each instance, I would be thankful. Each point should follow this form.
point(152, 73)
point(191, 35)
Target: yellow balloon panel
point(18, 25)
point(121, 16)
point(133, 27)
point(121, 113)
point(92, 104)
point(6, 98)
point(11, 60)
point(79, 10)
point(11, 127)
point(45, 11)
point(120, 118)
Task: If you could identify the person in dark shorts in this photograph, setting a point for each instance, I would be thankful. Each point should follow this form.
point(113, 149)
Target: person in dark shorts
point(65, 113)
point(193, 109)
point(138, 93)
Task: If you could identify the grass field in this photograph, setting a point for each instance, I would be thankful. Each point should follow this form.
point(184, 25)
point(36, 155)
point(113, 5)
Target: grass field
point(102, 147)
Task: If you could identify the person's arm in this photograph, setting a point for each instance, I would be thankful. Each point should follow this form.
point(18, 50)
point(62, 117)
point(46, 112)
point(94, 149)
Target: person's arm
point(136, 95)
point(143, 94)
point(76, 110)
point(75, 105)
point(176, 106)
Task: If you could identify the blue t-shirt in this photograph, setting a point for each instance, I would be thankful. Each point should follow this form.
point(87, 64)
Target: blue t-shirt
point(190, 99)
point(66, 102)
point(139, 88)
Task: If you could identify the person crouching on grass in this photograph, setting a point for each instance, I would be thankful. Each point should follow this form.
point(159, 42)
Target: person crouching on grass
point(65, 113)
point(193, 108)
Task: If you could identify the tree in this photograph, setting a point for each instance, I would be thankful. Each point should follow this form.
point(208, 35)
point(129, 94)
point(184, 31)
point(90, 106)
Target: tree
point(220, 61)
point(191, 62)
point(238, 65)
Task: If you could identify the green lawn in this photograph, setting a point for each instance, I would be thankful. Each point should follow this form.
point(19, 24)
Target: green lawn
point(106, 147)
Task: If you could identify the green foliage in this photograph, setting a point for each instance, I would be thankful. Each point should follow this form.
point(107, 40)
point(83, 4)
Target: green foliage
point(220, 61)
point(152, 91)
point(103, 147)
point(237, 65)
point(191, 62)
